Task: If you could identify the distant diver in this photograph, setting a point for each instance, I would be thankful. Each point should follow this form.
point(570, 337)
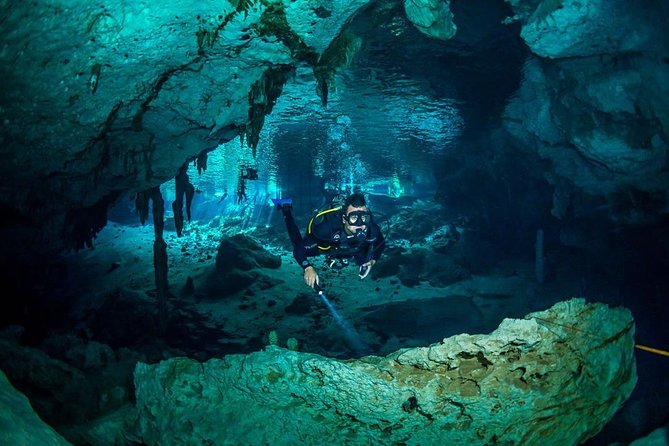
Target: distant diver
point(342, 233)
point(225, 195)
point(245, 173)
point(249, 173)
point(241, 190)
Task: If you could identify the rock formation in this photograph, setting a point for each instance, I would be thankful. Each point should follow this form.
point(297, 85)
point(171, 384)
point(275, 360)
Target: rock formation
point(593, 102)
point(101, 100)
point(554, 377)
point(20, 424)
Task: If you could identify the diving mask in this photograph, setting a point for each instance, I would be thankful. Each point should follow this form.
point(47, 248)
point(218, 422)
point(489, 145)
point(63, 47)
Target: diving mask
point(358, 218)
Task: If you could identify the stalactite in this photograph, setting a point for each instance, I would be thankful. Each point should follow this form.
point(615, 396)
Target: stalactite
point(83, 225)
point(142, 205)
point(539, 270)
point(160, 258)
point(183, 188)
point(262, 97)
point(201, 162)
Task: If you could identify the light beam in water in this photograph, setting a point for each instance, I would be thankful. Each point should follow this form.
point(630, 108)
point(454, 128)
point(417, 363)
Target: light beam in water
point(350, 333)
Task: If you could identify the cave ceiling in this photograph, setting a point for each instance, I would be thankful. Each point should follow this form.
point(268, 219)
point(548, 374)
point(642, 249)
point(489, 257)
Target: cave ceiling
point(104, 99)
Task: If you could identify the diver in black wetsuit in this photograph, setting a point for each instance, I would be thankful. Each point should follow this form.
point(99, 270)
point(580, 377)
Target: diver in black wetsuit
point(342, 233)
point(246, 173)
point(249, 173)
point(241, 190)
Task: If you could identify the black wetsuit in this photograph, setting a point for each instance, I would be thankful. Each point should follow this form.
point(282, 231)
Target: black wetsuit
point(328, 236)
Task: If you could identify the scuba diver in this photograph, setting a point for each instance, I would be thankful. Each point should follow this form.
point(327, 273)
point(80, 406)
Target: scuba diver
point(241, 190)
point(225, 195)
point(342, 233)
point(249, 173)
point(245, 173)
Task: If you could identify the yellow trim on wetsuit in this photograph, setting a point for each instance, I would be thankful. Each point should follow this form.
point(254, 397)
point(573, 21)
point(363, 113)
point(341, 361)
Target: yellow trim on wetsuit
point(324, 248)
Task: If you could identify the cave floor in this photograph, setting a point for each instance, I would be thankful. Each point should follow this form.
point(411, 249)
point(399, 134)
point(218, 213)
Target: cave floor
point(382, 313)
point(375, 315)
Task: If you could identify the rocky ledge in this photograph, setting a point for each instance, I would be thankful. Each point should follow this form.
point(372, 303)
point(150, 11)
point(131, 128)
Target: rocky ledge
point(554, 377)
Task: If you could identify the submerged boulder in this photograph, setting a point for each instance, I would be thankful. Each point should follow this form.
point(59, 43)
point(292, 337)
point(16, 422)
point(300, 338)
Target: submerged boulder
point(554, 377)
point(431, 17)
point(239, 263)
point(19, 422)
point(244, 253)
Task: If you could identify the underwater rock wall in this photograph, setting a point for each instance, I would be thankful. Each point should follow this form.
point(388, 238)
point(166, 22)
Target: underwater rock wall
point(593, 101)
point(101, 100)
point(432, 18)
point(554, 377)
point(19, 424)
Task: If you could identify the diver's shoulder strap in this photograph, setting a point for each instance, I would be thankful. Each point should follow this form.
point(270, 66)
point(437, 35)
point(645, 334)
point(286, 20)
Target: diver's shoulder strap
point(319, 218)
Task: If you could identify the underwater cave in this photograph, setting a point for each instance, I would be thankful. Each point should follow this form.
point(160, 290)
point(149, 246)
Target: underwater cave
point(503, 281)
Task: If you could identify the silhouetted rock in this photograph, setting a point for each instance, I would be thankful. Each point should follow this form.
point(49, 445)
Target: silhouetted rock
point(59, 392)
point(244, 253)
point(302, 304)
point(188, 288)
point(221, 285)
point(125, 319)
point(20, 424)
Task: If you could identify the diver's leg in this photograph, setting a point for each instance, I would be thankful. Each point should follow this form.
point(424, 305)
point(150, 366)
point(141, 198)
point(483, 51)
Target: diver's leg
point(291, 226)
point(285, 205)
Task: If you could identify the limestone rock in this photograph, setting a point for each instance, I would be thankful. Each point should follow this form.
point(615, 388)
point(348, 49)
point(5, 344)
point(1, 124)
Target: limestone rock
point(106, 99)
point(431, 17)
point(58, 391)
point(238, 261)
point(19, 424)
point(572, 28)
point(659, 437)
point(598, 109)
point(427, 265)
point(244, 253)
point(587, 132)
point(126, 317)
point(113, 429)
point(316, 21)
point(77, 352)
point(555, 377)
